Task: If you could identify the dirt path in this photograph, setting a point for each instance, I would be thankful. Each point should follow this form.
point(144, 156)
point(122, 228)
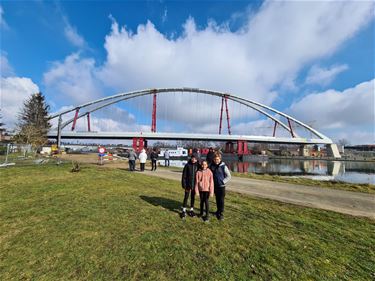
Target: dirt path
point(346, 202)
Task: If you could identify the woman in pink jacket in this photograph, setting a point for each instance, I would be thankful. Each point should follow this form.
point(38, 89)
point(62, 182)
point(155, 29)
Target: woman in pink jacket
point(204, 186)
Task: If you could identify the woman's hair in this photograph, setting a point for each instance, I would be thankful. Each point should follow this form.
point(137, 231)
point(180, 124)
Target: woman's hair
point(217, 155)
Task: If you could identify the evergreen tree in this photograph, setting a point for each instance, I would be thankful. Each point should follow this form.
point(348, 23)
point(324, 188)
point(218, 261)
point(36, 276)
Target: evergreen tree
point(33, 123)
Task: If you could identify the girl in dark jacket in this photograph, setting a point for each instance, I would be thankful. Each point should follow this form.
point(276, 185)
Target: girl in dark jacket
point(188, 184)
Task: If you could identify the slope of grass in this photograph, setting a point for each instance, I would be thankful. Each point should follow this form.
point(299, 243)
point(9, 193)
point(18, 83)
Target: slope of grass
point(110, 224)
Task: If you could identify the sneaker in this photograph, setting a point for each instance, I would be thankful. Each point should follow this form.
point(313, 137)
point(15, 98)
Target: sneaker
point(192, 214)
point(206, 219)
point(221, 217)
point(183, 215)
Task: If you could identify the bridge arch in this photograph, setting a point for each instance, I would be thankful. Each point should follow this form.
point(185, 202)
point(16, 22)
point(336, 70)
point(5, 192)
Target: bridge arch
point(272, 114)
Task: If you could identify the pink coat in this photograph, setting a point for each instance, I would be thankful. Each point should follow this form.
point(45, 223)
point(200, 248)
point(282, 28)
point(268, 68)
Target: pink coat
point(204, 181)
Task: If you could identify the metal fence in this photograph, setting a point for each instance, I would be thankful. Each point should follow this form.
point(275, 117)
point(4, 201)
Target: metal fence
point(12, 154)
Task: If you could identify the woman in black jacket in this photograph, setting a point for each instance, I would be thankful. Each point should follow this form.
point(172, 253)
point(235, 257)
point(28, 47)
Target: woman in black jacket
point(154, 158)
point(188, 184)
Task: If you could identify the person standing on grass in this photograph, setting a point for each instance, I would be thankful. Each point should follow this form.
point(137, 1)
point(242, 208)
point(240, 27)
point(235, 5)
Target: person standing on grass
point(188, 184)
point(166, 158)
point(204, 186)
point(132, 157)
point(222, 176)
point(154, 158)
point(142, 159)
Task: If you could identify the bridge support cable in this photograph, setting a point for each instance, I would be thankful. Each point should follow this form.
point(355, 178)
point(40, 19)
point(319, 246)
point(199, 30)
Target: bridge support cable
point(227, 111)
point(88, 122)
point(75, 119)
point(291, 128)
point(221, 114)
point(153, 122)
point(274, 129)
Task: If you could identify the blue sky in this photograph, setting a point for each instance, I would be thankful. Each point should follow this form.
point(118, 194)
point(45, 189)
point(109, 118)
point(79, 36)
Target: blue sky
point(291, 55)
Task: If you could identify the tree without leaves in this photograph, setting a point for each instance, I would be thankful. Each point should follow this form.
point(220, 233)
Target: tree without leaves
point(343, 142)
point(33, 122)
point(2, 128)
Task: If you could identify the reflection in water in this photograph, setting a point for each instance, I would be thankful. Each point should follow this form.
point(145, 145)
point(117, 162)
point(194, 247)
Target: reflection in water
point(355, 172)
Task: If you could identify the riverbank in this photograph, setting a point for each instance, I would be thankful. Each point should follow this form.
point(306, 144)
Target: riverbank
point(355, 187)
point(111, 224)
point(343, 159)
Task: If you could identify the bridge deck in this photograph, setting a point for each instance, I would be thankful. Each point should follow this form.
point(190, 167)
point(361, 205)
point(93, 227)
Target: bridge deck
point(184, 136)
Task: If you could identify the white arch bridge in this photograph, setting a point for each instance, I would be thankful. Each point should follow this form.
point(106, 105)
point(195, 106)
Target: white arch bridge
point(279, 119)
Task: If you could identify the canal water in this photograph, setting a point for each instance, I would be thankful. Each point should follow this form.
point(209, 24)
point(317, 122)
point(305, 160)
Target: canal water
point(345, 171)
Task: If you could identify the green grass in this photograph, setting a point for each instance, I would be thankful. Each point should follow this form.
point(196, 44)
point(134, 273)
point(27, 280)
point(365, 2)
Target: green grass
point(357, 187)
point(110, 224)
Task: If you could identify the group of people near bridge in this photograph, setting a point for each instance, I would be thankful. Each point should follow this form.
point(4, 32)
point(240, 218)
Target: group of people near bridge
point(203, 178)
point(132, 157)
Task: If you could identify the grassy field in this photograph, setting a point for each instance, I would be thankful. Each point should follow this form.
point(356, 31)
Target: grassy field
point(110, 224)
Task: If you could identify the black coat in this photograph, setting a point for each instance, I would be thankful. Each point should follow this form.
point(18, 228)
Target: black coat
point(154, 155)
point(188, 175)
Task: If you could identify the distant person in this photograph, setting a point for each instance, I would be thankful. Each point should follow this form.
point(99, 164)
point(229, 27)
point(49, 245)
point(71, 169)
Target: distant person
point(166, 158)
point(222, 176)
point(210, 156)
point(154, 158)
point(132, 157)
point(188, 184)
point(142, 159)
point(196, 154)
point(204, 186)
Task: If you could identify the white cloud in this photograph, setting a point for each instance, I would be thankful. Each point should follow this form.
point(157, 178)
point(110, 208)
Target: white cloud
point(267, 52)
point(5, 68)
point(324, 76)
point(345, 112)
point(14, 91)
point(3, 23)
point(73, 81)
point(72, 35)
point(164, 16)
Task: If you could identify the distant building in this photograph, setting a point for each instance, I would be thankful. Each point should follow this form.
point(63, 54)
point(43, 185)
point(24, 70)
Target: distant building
point(362, 147)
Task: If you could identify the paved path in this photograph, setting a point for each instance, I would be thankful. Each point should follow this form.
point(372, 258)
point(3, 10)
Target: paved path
point(346, 202)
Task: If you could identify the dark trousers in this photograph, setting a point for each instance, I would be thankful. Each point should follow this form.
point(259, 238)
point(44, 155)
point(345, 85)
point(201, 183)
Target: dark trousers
point(186, 197)
point(166, 162)
point(219, 195)
point(153, 165)
point(204, 196)
point(131, 165)
point(142, 167)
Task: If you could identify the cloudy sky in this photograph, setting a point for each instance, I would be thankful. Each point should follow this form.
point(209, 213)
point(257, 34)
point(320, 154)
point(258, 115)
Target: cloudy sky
point(312, 60)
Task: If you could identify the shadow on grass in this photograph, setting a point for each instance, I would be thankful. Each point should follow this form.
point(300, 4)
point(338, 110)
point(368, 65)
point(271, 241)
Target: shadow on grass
point(166, 203)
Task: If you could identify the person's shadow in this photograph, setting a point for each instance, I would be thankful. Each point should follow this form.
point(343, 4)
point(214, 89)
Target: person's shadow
point(166, 203)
